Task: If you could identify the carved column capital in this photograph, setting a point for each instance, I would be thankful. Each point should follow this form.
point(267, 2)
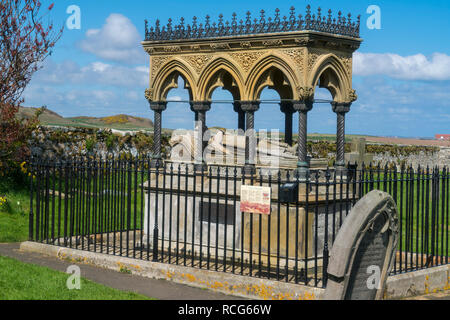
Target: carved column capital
point(286, 107)
point(250, 106)
point(158, 105)
point(200, 106)
point(302, 106)
point(241, 115)
point(237, 106)
point(341, 107)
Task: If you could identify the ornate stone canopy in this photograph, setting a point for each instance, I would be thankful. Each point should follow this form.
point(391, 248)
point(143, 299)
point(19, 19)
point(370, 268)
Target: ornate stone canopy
point(292, 55)
point(293, 59)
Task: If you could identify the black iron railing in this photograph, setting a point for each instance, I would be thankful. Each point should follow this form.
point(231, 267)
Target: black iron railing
point(175, 215)
point(261, 25)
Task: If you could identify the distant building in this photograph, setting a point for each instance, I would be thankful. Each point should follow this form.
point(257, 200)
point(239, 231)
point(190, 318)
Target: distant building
point(443, 137)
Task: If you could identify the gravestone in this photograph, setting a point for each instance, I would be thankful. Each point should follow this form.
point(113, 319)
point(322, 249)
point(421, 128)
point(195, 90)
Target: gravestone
point(358, 153)
point(363, 253)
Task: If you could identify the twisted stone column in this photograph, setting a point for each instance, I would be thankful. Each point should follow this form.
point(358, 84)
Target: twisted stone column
point(286, 108)
point(340, 108)
point(158, 107)
point(200, 108)
point(249, 107)
point(303, 107)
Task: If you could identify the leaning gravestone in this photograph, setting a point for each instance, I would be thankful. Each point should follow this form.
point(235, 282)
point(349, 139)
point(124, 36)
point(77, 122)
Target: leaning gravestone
point(363, 253)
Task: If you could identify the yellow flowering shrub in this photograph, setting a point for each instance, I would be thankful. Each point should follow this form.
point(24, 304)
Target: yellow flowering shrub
point(3, 201)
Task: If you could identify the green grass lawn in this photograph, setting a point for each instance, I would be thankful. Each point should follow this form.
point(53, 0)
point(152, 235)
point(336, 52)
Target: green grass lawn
point(22, 281)
point(14, 213)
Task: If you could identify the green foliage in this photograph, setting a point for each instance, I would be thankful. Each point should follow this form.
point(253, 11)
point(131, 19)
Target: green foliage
point(59, 136)
point(15, 133)
point(124, 269)
point(164, 143)
point(143, 141)
point(110, 141)
point(90, 143)
point(322, 149)
point(14, 212)
point(121, 118)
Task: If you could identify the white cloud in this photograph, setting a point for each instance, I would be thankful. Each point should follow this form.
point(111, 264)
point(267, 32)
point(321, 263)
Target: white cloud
point(117, 40)
point(176, 98)
point(85, 101)
point(415, 67)
point(96, 73)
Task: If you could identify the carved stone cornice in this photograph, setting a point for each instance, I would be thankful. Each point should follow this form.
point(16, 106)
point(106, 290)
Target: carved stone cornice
point(273, 43)
point(149, 50)
point(219, 46)
point(172, 49)
point(289, 40)
point(304, 42)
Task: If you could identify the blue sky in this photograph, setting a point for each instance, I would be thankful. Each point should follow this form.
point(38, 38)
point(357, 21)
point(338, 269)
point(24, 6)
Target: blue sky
point(401, 72)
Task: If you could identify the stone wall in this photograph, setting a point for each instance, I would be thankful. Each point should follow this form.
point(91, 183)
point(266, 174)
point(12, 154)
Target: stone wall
point(49, 141)
point(63, 141)
point(440, 158)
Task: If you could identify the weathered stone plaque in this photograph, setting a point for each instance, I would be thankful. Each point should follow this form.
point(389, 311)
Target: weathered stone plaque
point(363, 253)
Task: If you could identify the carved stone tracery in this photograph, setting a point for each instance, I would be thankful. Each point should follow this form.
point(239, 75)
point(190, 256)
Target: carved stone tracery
point(198, 61)
point(156, 63)
point(246, 59)
point(298, 56)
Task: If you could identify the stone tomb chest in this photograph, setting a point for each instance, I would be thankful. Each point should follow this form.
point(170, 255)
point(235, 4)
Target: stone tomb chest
point(196, 210)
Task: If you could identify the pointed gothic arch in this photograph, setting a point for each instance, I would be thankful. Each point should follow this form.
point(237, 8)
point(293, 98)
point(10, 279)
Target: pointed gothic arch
point(274, 72)
point(330, 72)
point(167, 78)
